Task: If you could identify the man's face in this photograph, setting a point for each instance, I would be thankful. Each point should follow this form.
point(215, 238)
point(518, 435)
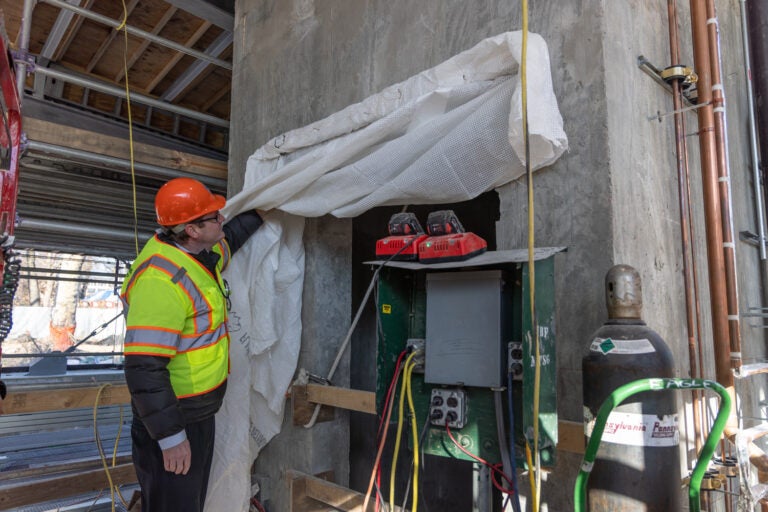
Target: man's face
point(209, 229)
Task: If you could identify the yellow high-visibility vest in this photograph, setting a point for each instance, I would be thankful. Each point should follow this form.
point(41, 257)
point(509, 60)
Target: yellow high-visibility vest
point(176, 308)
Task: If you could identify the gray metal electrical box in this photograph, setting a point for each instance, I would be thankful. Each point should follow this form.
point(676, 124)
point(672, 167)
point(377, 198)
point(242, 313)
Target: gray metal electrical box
point(466, 329)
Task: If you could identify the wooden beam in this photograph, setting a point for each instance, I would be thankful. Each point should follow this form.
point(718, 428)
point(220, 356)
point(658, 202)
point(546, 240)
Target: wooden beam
point(51, 488)
point(303, 409)
point(159, 25)
point(51, 133)
point(352, 399)
point(57, 468)
point(570, 436)
point(63, 398)
point(312, 494)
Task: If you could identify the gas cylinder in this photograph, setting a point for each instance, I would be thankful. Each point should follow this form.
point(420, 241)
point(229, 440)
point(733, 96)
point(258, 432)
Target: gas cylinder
point(638, 463)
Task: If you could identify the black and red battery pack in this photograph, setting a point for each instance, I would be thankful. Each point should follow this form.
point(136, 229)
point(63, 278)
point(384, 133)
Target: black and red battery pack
point(456, 247)
point(405, 235)
point(394, 246)
point(448, 240)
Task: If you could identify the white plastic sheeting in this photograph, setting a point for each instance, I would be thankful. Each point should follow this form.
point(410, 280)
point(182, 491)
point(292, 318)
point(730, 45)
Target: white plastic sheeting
point(445, 135)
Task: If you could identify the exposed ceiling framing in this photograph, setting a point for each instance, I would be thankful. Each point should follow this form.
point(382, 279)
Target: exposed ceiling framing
point(76, 191)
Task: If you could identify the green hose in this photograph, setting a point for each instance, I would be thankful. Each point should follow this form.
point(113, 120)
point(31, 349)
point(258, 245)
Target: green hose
point(638, 386)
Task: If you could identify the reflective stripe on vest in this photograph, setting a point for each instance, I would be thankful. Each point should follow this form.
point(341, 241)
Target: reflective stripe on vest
point(199, 353)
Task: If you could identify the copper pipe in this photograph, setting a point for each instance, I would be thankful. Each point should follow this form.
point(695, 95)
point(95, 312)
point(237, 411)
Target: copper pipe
point(724, 178)
point(712, 212)
point(681, 150)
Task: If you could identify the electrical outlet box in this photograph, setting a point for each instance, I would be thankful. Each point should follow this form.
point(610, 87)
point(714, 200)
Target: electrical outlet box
point(448, 407)
point(515, 359)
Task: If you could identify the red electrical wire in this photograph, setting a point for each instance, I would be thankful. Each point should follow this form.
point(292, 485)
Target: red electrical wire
point(493, 467)
point(384, 422)
point(257, 504)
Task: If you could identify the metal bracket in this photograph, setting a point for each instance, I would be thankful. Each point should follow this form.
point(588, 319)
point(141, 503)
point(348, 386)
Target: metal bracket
point(25, 58)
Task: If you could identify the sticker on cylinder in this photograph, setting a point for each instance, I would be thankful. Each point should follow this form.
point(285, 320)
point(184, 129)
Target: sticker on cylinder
point(634, 429)
point(621, 347)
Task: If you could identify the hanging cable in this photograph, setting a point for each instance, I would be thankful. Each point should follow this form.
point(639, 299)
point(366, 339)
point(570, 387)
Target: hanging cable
point(123, 27)
point(383, 428)
point(398, 437)
point(496, 469)
point(533, 336)
point(511, 443)
point(414, 432)
point(343, 347)
point(112, 487)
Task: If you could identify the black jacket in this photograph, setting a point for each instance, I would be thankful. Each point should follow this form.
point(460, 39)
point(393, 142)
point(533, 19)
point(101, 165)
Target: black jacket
point(152, 397)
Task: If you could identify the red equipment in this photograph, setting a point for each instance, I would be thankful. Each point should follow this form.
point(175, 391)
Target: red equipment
point(405, 235)
point(448, 240)
point(10, 146)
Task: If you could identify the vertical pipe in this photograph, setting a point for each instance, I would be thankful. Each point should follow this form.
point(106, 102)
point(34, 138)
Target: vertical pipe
point(683, 200)
point(747, 42)
point(757, 18)
point(23, 45)
point(712, 212)
point(724, 179)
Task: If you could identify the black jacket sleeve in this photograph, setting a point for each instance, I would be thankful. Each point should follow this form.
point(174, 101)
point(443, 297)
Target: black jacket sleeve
point(240, 228)
point(152, 396)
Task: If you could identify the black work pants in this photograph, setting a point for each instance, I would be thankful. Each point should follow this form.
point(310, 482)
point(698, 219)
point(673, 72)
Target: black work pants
point(163, 491)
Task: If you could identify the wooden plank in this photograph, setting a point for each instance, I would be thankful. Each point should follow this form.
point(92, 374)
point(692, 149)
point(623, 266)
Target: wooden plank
point(312, 494)
point(352, 399)
point(51, 133)
point(303, 409)
point(570, 436)
point(52, 488)
point(50, 469)
point(65, 398)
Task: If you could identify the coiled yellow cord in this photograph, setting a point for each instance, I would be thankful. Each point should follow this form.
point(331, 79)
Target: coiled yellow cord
point(112, 487)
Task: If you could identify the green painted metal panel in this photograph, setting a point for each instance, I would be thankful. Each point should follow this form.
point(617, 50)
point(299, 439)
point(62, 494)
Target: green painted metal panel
point(401, 304)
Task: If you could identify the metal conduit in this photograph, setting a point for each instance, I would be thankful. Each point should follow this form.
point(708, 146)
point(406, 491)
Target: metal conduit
point(24, 35)
point(140, 98)
point(147, 170)
point(753, 142)
point(724, 178)
point(70, 229)
point(140, 33)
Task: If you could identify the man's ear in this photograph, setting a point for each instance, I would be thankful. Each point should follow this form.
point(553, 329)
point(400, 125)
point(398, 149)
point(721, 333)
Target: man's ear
point(192, 231)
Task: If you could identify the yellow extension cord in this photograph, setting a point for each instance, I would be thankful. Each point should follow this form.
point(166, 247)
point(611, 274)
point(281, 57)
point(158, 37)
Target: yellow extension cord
point(130, 129)
point(112, 487)
point(405, 390)
point(535, 470)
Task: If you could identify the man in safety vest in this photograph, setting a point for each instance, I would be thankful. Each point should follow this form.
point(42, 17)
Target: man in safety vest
point(177, 343)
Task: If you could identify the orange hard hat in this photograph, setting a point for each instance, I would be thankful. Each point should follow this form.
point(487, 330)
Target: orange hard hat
point(184, 199)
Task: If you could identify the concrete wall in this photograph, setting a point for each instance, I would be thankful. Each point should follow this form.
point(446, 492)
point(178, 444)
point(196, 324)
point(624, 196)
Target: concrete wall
point(611, 199)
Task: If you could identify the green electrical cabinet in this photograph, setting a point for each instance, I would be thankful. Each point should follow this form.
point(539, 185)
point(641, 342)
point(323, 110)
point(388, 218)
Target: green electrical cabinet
point(474, 365)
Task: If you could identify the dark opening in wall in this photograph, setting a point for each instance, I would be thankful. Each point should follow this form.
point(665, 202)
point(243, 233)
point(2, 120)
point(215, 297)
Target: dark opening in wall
point(445, 484)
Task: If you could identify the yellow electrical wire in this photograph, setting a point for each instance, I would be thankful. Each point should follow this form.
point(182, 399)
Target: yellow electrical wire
point(112, 487)
point(535, 474)
point(414, 432)
point(398, 437)
point(130, 128)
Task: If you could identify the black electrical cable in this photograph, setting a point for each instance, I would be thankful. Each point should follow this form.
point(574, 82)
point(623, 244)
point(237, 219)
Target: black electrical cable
point(11, 272)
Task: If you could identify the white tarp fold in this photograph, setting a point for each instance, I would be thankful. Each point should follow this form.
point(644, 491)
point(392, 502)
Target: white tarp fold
point(445, 135)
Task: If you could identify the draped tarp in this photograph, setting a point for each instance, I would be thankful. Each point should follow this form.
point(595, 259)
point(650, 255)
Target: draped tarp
point(445, 135)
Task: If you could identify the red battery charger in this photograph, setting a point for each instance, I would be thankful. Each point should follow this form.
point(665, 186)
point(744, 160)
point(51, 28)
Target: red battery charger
point(448, 240)
point(405, 235)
